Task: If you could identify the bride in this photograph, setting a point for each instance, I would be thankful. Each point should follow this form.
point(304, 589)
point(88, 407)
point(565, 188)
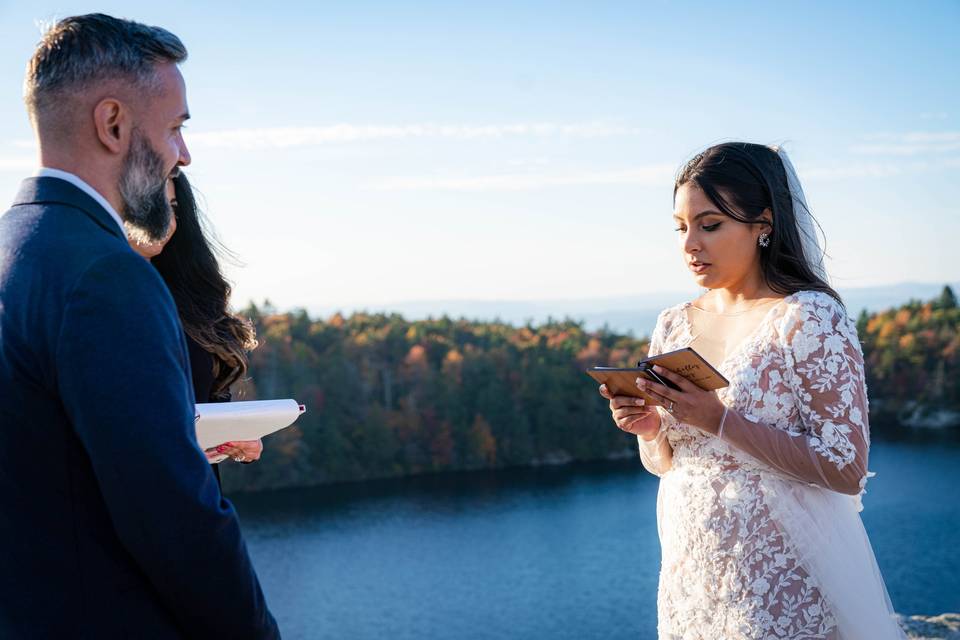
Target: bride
point(758, 508)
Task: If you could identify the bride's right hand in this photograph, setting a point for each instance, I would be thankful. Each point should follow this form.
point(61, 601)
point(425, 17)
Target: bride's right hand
point(632, 415)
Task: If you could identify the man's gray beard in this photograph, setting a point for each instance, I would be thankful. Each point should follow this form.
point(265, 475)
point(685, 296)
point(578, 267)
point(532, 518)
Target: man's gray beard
point(143, 189)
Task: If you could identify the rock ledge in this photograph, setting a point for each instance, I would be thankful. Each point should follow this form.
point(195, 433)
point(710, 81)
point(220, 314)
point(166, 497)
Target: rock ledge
point(946, 626)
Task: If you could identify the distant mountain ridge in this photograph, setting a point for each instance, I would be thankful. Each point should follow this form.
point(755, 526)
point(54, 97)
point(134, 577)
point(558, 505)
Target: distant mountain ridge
point(636, 315)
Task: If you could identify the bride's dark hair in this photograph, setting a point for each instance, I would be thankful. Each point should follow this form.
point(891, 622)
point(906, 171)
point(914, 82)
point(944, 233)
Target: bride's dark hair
point(742, 179)
point(189, 266)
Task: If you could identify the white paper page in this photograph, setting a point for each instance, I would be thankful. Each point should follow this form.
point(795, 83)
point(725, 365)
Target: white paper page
point(219, 422)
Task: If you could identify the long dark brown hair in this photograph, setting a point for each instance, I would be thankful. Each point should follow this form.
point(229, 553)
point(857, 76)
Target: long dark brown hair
point(742, 180)
point(189, 266)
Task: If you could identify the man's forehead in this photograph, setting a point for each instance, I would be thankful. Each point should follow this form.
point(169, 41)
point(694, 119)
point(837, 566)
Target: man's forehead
point(173, 90)
point(169, 72)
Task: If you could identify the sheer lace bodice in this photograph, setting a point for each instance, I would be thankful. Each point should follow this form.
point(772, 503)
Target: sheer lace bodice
point(798, 418)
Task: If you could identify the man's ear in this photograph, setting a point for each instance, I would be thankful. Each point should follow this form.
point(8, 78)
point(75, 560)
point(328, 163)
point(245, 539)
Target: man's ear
point(112, 121)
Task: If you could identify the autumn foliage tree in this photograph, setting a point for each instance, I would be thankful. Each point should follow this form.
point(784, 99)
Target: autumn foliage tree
point(389, 397)
point(912, 357)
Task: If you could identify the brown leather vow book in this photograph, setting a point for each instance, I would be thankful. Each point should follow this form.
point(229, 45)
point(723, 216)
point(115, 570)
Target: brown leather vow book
point(683, 362)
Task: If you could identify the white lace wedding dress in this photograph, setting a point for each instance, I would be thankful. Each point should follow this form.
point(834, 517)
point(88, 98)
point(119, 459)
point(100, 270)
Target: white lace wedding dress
point(760, 530)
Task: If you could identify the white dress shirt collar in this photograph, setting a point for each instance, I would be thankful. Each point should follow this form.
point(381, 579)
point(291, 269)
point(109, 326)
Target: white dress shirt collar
point(45, 172)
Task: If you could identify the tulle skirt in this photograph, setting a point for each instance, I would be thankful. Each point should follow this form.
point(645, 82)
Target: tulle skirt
point(829, 539)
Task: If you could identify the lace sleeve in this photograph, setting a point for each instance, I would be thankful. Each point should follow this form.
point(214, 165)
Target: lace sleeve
point(824, 373)
point(656, 454)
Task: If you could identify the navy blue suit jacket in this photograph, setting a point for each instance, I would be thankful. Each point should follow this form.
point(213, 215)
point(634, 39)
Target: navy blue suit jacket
point(111, 522)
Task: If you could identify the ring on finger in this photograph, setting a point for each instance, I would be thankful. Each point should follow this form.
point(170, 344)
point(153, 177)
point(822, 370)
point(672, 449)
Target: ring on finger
point(664, 399)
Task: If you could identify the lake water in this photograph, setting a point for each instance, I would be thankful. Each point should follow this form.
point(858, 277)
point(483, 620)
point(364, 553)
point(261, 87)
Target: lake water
point(568, 552)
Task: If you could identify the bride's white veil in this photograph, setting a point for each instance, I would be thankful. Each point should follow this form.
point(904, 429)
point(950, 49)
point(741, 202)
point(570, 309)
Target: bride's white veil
point(825, 527)
point(806, 225)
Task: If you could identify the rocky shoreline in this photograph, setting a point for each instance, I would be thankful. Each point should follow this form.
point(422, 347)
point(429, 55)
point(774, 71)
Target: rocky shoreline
point(945, 626)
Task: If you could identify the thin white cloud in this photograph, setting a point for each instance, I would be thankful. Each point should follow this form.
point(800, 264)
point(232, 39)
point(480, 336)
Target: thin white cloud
point(855, 170)
point(877, 169)
point(651, 175)
point(909, 144)
point(661, 175)
point(287, 137)
point(18, 163)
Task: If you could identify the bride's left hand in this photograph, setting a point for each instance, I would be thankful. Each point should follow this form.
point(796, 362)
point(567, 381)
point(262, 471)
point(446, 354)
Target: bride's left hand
point(242, 450)
point(690, 405)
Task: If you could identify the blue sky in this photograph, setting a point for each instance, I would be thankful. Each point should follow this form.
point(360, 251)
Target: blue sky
point(358, 154)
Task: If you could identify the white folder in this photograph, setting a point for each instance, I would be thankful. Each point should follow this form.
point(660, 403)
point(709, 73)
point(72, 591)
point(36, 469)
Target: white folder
point(219, 422)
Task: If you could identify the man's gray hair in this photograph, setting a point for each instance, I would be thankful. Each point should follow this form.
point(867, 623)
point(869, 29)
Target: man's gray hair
point(81, 51)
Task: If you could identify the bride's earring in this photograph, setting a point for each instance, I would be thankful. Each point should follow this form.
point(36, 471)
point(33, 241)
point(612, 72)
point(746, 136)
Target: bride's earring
point(764, 240)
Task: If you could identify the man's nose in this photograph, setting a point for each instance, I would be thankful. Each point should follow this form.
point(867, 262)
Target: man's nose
point(184, 159)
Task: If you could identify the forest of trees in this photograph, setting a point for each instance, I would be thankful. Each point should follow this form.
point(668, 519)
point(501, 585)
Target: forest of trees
point(389, 397)
point(911, 355)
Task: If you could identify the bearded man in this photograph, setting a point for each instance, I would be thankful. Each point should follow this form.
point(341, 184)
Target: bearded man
point(111, 522)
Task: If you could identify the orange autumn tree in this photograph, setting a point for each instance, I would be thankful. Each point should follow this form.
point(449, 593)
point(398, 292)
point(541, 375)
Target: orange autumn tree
point(911, 355)
point(389, 397)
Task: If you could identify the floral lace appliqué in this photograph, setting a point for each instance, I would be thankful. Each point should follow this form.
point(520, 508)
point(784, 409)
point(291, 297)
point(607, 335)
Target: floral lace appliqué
point(729, 571)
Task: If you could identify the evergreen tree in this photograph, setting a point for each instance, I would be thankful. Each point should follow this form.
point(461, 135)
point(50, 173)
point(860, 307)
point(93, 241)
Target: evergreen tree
point(947, 299)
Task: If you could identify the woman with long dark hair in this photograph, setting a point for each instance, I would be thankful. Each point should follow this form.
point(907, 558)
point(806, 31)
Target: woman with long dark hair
point(758, 507)
point(217, 340)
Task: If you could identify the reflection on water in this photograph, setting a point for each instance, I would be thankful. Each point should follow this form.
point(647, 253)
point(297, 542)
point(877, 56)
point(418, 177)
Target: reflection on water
point(567, 552)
